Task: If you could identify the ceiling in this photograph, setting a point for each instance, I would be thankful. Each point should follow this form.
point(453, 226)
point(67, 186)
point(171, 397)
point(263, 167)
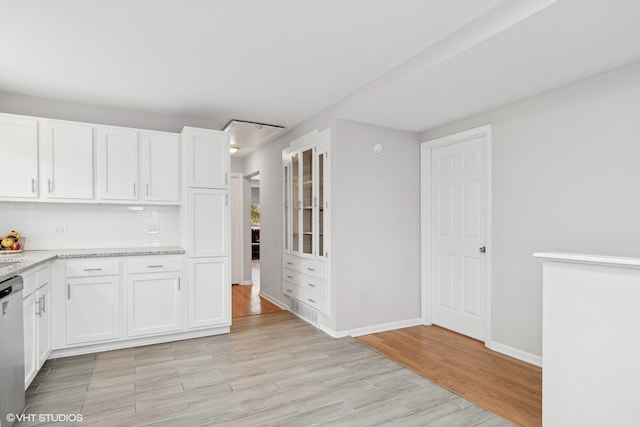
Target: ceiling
point(406, 64)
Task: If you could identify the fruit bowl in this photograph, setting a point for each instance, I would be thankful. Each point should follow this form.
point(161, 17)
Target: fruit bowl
point(9, 250)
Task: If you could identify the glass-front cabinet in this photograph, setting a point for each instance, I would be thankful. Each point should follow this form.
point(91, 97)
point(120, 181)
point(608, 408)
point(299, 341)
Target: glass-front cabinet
point(305, 201)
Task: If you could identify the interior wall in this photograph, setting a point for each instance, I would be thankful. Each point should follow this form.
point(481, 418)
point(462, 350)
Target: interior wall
point(375, 229)
point(565, 178)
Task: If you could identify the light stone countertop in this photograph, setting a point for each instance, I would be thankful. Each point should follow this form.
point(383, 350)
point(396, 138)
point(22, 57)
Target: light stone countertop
point(609, 260)
point(29, 259)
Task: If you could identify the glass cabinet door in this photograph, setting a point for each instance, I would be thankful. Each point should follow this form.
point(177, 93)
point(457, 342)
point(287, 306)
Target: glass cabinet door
point(307, 202)
point(295, 202)
point(321, 202)
point(286, 216)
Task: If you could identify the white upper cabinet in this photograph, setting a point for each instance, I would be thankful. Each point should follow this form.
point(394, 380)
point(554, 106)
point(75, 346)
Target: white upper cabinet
point(19, 148)
point(305, 171)
point(161, 166)
point(207, 158)
point(117, 163)
point(67, 154)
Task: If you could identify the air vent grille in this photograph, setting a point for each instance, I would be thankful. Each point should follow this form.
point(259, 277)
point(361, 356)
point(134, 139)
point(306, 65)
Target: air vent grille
point(303, 311)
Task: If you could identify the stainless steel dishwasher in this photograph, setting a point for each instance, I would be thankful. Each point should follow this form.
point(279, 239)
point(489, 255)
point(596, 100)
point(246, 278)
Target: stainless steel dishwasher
point(12, 396)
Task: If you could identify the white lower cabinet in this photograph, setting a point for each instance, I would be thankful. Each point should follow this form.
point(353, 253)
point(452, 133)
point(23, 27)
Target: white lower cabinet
point(154, 296)
point(209, 292)
point(92, 301)
point(37, 320)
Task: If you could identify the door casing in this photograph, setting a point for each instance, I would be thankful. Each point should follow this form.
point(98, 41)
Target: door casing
point(426, 149)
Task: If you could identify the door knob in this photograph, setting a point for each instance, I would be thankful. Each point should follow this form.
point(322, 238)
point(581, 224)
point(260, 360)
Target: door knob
point(483, 249)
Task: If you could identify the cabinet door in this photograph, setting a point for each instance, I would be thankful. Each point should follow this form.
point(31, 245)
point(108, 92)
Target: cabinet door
point(286, 197)
point(19, 148)
point(154, 303)
point(209, 292)
point(207, 158)
point(117, 163)
point(44, 324)
point(93, 309)
point(68, 160)
point(29, 313)
point(161, 166)
point(208, 222)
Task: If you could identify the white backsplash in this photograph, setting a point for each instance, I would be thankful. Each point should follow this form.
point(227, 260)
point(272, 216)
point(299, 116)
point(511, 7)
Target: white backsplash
point(69, 226)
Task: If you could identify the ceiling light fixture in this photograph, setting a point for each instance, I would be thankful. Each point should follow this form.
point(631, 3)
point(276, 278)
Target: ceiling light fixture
point(233, 149)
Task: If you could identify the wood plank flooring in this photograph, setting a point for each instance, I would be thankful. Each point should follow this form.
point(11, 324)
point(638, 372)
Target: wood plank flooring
point(272, 370)
point(246, 301)
point(501, 384)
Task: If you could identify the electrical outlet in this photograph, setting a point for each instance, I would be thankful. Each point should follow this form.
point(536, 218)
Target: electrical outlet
point(61, 229)
point(153, 229)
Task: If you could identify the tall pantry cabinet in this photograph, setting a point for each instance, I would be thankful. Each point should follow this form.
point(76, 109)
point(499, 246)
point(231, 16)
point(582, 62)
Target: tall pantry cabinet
point(305, 266)
point(206, 225)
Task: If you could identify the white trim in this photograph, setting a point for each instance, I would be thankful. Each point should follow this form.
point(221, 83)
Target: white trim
point(273, 300)
point(373, 329)
point(246, 282)
point(524, 356)
point(127, 343)
point(237, 247)
point(426, 149)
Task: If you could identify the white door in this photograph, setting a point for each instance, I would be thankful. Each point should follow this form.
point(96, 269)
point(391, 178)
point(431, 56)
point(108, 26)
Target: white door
point(68, 158)
point(118, 163)
point(161, 166)
point(209, 292)
point(458, 236)
point(19, 148)
point(154, 303)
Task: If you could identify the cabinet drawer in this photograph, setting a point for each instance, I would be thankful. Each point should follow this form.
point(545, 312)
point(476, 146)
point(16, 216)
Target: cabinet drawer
point(313, 300)
point(313, 284)
point(290, 276)
point(290, 262)
point(93, 268)
point(291, 290)
point(153, 265)
point(313, 268)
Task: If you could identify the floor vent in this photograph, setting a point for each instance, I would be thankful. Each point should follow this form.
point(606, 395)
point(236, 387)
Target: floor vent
point(303, 311)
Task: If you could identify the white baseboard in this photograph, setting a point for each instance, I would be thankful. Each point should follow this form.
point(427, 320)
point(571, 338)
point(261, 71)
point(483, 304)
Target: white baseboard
point(515, 353)
point(274, 300)
point(246, 283)
point(373, 329)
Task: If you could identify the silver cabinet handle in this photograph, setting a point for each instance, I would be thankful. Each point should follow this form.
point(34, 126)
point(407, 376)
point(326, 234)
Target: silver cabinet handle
point(134, 189)
point(226, 178)
point(39, 310)
point(92, 269)
point(44, 303)
point(68, 290)
point(311, 269)
point(147, 190)
point(179, 285)
point(290, 291)
point(33, 185)
point(49, 185)
point(289, 263)
point(311, 284)
point(289, 277)
point(310, 300)
point(155, 266)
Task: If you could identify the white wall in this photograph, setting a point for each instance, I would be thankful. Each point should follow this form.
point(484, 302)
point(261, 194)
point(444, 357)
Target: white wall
point(90, 225)
point(375, 228)
point(565, 178)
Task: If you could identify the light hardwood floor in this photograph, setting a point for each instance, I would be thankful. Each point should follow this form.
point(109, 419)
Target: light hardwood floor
point(272, 370)
point(501, 384)
point(246, 301)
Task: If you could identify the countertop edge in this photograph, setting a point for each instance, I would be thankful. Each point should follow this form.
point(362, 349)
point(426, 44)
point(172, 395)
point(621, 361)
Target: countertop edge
point(607, 260)
point(32, 259)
